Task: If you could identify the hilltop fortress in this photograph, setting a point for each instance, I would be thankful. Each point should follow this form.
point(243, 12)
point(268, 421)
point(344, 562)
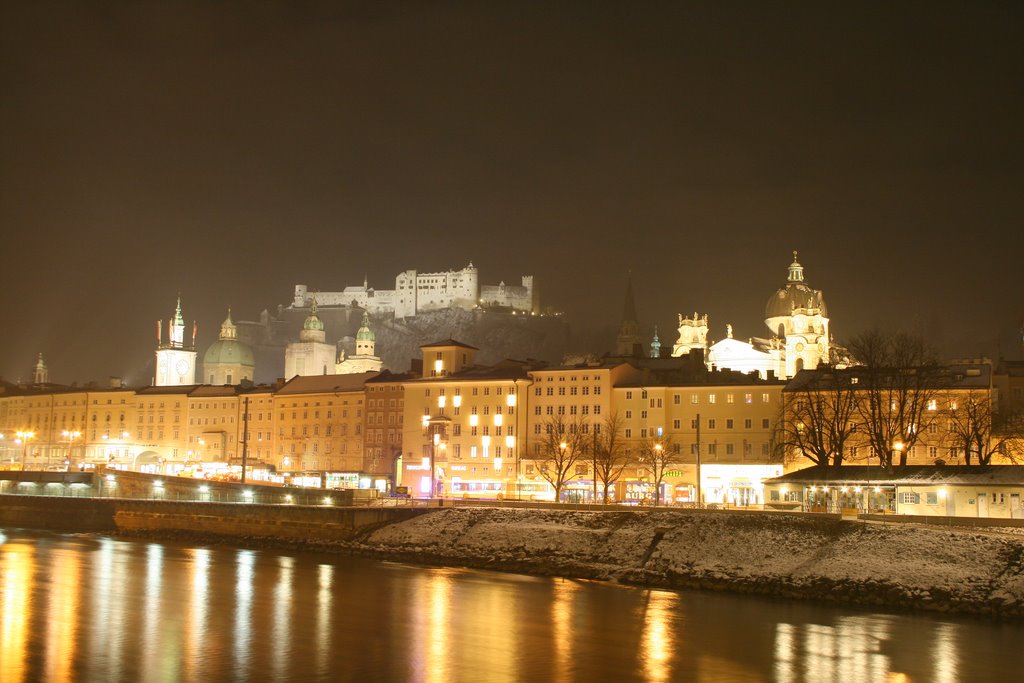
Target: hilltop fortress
point(417, 292)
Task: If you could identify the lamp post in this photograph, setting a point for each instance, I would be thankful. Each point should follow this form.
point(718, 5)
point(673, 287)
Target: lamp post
point(657, 463)
point(562, 445)
point(24, 437)
point(70, 436)
point(698, 461)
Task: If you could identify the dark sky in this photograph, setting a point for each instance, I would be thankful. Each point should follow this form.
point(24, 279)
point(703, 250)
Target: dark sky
point(230, 150)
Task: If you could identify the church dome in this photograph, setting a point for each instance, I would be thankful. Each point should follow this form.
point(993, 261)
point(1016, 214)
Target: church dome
point(796, 294)
point(313, 321)
point(365, 333)
point(229, 352)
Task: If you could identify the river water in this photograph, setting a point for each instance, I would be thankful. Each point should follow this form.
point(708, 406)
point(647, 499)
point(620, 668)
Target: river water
point(94, 608)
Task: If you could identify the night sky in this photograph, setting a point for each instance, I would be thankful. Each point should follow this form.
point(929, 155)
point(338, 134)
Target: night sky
point(230, 150)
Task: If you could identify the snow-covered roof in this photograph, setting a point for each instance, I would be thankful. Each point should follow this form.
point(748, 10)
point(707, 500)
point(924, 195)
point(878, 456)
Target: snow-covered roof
point(1008, 475)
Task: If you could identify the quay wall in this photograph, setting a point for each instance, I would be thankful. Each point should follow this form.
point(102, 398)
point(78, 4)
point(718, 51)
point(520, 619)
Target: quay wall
point(198, 519)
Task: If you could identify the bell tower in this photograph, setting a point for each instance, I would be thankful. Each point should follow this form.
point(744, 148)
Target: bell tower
point(175, 358)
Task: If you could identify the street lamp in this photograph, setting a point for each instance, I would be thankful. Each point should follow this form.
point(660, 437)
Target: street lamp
point(897, 448)
point(24, 437)
point(70, 436)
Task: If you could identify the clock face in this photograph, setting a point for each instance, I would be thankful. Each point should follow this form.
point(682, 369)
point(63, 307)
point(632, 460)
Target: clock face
point(182, 366)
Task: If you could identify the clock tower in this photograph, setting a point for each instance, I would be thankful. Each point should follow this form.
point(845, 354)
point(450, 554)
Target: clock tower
point(175, 359)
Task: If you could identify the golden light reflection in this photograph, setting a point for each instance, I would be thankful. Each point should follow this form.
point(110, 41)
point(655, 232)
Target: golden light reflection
point(439, 598)
point(106, 588)
point(17, 567)
point(281, 640)
point(562, 629)
point(196, 636)
point(151, 640)
point(848, 651)
point(244, 563)
point(944, 654)
point(657, 643)
point(63, 609)
point(325, 580)
point(429, 649)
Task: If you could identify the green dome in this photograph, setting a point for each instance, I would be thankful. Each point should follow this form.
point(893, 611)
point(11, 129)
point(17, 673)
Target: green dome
point(229, 352)
point(313, 321)
point(365, 333)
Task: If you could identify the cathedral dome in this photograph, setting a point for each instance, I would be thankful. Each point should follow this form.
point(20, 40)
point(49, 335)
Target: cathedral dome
point(796, 294)
point(229, 352)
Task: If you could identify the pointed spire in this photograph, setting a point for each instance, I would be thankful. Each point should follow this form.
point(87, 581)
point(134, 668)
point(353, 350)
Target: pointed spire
point(628, 342)
point(629, 307)
point(40, 375)
point(178, 319)
point(655, 344)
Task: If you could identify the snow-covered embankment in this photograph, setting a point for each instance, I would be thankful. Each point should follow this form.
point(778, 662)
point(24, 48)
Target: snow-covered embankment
point(767, 553)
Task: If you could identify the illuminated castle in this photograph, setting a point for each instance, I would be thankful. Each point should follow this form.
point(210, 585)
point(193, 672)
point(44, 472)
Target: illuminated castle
point(417, 292)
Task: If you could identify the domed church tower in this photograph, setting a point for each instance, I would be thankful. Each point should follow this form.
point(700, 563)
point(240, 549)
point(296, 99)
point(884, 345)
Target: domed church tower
point(228, 361)
point(798, 318)
point(311, 355)
point(363, 359)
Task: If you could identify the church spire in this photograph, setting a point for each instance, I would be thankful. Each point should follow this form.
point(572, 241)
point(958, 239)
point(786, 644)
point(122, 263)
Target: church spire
point(628, 342)
point(655, 344)
point(40, 375)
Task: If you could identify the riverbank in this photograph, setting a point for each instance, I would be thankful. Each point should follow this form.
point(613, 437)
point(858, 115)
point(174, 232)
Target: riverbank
point(772, 554)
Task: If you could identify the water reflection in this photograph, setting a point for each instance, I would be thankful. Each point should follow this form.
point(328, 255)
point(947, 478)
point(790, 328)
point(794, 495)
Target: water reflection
point(849, 650)
point(17, 570)
point(151, 641)
point(197, 639)
point(85, 608)
point(657, 643)
point(325, 581)
point(62, 609)
point(244, 565)
point(281, 634)
point(561, 623)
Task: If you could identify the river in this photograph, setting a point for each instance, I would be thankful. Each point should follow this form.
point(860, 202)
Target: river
point(95, 608)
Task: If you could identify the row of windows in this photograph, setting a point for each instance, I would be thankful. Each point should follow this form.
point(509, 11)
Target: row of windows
point(457, 391)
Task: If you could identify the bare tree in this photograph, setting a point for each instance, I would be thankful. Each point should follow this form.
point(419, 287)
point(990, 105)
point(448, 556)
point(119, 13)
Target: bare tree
point(980, 432)
point(608, 454)
point(659, 454)
point(898, 377)
point(557, 449)
point(819, 407)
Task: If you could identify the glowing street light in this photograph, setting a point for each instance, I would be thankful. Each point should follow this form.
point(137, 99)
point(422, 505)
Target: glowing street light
point(23, 437)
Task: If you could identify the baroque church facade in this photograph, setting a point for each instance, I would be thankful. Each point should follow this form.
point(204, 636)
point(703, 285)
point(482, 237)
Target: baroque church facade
point(797, 319)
